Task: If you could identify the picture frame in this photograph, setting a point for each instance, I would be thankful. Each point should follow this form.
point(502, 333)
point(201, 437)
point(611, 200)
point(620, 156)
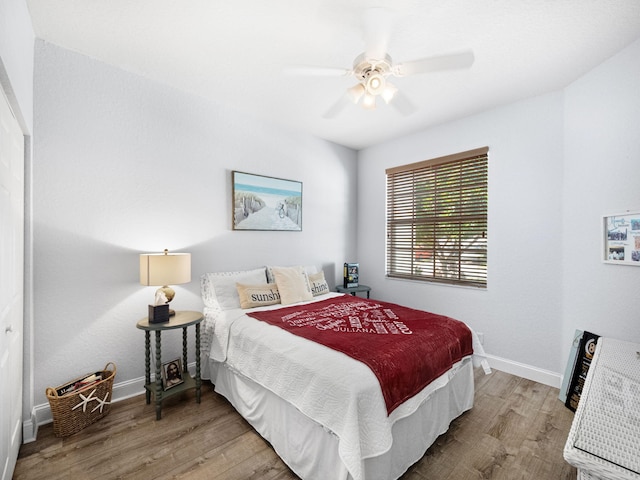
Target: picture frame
point(621, 238)
point(172, 374)
point(261, 202)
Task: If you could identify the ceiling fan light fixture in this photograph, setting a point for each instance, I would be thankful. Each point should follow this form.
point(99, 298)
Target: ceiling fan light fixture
point(375, 83)
point(389, 92)
point(369, 101)
point(356, 92)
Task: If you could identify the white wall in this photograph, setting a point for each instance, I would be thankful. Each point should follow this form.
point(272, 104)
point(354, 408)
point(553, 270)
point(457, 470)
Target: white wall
point(16, 59)
point(124, 166)
point(557, 163)
point(602, 177)
point(522, 303)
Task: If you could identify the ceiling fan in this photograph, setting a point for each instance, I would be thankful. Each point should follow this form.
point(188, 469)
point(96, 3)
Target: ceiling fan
point(374, 66)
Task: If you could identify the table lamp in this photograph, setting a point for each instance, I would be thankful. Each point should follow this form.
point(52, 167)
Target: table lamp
point(164, 269)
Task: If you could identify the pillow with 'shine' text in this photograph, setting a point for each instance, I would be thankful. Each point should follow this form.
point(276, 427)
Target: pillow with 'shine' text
point(318, 284)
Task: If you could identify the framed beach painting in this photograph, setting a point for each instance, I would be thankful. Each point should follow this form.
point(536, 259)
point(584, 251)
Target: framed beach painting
point(266, 203)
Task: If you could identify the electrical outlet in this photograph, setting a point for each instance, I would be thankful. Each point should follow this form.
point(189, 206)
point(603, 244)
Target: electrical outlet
point(480, 337)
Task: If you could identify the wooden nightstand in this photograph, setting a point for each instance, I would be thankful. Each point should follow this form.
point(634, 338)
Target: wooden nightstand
point(182, 320)
point(353, 290)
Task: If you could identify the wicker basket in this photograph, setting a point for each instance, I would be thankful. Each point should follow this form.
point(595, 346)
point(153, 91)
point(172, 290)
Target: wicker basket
point(76, 410)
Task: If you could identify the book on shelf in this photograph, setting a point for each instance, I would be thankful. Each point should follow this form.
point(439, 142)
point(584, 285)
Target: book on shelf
point(351, 274)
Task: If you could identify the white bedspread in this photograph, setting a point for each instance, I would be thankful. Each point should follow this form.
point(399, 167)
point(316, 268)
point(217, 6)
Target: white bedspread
point(330, 387)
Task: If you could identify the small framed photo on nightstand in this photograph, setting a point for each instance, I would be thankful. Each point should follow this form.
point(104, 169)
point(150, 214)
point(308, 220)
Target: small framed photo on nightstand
point(172, 373)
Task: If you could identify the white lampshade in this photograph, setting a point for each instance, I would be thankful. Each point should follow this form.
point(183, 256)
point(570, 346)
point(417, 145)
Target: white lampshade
point(166, 268)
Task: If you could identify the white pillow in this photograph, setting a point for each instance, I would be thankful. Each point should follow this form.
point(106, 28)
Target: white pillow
point(293, 284)
point(318, 284)
point(309, 269)
point(220, 287)
point(257, 295)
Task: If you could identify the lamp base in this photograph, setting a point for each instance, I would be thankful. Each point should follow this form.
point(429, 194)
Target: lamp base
point(168, 292)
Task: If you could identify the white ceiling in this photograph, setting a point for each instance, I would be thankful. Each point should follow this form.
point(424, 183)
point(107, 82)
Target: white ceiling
point(234, 52)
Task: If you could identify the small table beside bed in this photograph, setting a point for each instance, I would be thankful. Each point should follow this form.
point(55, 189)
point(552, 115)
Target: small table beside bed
point(342, 387)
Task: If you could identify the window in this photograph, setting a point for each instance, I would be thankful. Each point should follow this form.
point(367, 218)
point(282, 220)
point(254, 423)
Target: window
point(437, 220)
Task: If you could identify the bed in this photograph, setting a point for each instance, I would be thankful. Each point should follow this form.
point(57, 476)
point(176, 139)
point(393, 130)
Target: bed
point(326, 412)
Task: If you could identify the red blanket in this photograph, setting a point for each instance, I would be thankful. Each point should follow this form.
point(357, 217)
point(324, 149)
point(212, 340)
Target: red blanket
point(404, 347)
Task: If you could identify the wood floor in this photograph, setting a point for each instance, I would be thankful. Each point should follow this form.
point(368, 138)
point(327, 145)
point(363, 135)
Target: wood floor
point(516, 430)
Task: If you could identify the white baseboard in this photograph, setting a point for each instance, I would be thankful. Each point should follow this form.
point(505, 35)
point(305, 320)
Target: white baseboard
point(535, 374)
point(30, 429)
point(41, 414)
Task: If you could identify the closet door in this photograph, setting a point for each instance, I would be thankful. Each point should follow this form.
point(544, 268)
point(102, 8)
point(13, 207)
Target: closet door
point(11, 285)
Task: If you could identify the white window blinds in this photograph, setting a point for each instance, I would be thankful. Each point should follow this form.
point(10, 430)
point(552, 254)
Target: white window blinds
point(437, 219)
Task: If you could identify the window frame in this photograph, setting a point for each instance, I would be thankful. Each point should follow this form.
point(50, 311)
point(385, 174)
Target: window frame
point(437, 220)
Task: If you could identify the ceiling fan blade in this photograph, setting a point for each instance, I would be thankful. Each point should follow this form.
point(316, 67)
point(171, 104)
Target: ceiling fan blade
point(402, 104)
point(317, 71)
point(438, 63)
point(376, 25)
point(337, 107)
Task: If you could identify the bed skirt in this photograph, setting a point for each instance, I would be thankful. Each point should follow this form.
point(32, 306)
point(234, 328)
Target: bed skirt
point(311, 450)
